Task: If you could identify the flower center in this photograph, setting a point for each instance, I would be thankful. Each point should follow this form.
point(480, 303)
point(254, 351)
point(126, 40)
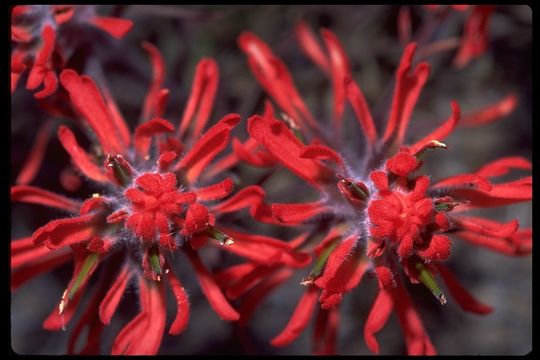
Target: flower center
point(402, 214)
point(156, 206)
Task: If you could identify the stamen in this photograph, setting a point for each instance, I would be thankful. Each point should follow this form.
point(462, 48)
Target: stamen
point(319, 264)
point(219, 235)
point(122, 171)
point(429, 281)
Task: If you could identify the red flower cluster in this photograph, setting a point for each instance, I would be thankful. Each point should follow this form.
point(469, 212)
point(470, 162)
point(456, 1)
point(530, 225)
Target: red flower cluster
point(37, 32)
point(152, 203)
point(163, 189)
point(378, 215)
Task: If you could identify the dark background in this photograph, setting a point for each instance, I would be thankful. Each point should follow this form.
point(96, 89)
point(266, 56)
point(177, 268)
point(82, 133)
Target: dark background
point(184, 34)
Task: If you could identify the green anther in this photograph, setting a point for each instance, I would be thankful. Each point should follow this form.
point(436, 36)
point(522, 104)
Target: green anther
point(219, 235)
point(442, 207)
point(153, 255)
point(319, 265)
point(357, 191)
point(87, 265)
point(429, 281)
point(120, 172)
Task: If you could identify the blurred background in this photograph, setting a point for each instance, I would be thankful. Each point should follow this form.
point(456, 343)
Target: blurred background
point(184, 35)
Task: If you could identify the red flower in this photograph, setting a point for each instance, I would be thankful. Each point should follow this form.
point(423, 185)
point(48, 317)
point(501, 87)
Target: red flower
point(154, 198)
point(34, 29)
point(379, 216)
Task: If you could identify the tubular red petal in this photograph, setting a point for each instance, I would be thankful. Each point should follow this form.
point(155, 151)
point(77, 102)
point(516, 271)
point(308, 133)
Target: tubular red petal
point(63, 13)
point(50, 85)
point(274, 77)
point(87, 100)
point(117, 117)
point(201, 100)
point(339, 69)
point(503, 166)
point(474, 41)
point(226, 277)
point(385, 277)
point(145, 132)
point(249, 153)
point(248, 281)
point(299, 319)
point(142, 336)
point(322, 152)
point(207, 147)
point(262, 248)
point(491, 113)
point(460, 294)
point(297, 213)
point(442, 131)
point(505, 246)
point(158, 75)
point(377, 318)
point(110, 302)
point(465, 180)
point(35, 264)
point(310, 46)
point(80, 158)
point(416, 338)
point(214, 295)
point(253, 298)
point(128, 334)
point(501, 194)
point(34, 195)
point(48, 35)
point(407, 89)
point(63, 232)
point(325, 334)
point(116, 27)
point(486, 227)
point(356, 98)
point(278, 139)
point(216, 191)
point(182, 305)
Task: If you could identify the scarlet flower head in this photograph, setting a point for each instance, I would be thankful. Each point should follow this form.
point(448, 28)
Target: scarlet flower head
point(41, 46)
point(155, 198)
point(380, 217)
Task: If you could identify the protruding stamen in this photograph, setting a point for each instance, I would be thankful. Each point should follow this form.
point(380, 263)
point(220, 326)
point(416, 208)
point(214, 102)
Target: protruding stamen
point(121, 169)
point(429, 281)
point(291, 123)
point(153, 257)
point(447, 203)
point(357, 190)
point(89, 263)
point(63, 303)
point(219, 235)
point(319, 264)
point(430, 145)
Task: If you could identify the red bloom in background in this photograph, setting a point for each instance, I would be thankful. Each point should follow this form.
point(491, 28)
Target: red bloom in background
point(474, 40)
point(379, 215)
point(40, 47)
point(155, 199)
